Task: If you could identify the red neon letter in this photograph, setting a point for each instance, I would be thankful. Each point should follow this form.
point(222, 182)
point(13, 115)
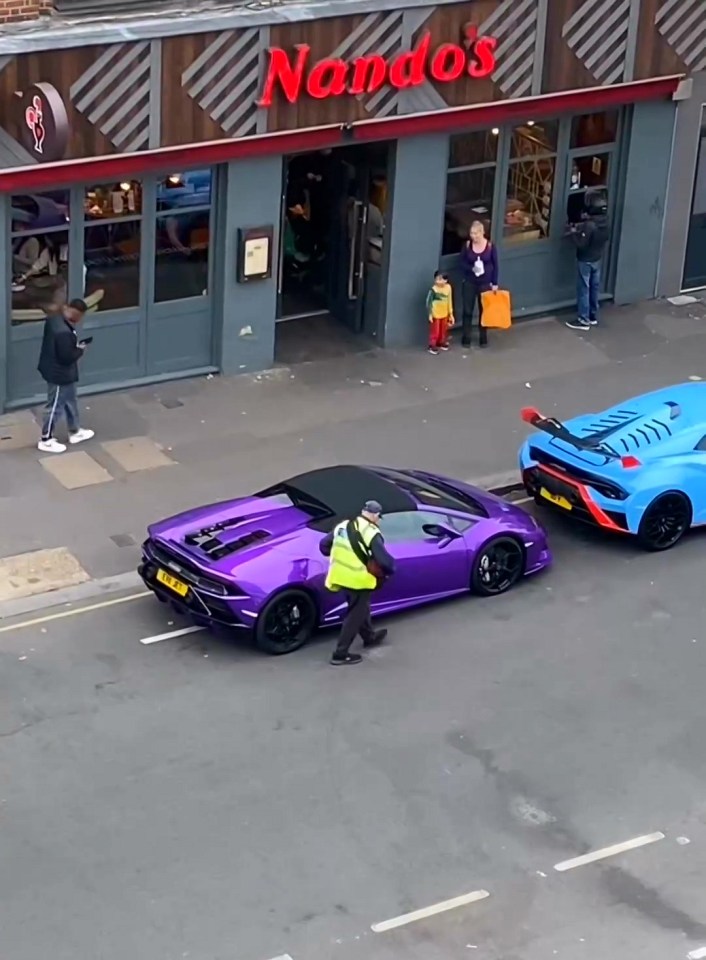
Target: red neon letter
point(407, 70)
point(448, 63)
point(482, 62)
point(368, 75)
point(280, 70)
point(327, 79)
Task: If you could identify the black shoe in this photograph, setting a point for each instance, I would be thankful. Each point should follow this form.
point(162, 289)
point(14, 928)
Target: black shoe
point(465, 343)
point(483, 344)
point(339, 658)
point(376, 639)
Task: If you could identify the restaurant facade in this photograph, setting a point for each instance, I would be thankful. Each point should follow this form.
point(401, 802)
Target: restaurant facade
point(203, 182)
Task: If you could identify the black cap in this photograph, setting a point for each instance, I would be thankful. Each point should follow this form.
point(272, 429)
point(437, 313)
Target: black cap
point(372, 506)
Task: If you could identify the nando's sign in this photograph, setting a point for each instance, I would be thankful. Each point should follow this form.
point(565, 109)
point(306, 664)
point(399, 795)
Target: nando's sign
point(294, 74)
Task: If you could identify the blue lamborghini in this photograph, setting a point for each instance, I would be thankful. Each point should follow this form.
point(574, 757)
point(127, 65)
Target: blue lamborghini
point(638, 468)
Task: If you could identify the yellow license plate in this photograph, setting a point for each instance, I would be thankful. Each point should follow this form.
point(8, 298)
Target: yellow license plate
point(553, 498)
point(169, 581)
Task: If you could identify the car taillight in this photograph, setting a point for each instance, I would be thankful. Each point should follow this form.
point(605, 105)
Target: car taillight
point(629, 463)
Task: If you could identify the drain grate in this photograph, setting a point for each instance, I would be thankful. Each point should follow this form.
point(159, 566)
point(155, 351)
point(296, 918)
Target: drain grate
point(123, 540)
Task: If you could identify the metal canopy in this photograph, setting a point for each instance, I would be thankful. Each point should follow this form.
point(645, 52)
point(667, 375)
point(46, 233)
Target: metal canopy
point(157, 19)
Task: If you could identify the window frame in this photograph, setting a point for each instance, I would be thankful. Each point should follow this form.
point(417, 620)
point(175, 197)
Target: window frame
point(468, 168)
point(523, 247)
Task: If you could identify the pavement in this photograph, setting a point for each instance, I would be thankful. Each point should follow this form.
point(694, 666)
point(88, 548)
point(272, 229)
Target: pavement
point(190, 799)
point(159, 450)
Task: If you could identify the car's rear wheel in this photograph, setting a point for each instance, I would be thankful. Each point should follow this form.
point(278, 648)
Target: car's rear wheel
point(286, 622)
point(665, 521)
point(497, 566)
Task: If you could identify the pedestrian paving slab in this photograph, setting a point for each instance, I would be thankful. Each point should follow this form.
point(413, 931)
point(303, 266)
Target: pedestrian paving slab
point(75, 470)
point(18, 430)
point(136, 453)
point(40, 571)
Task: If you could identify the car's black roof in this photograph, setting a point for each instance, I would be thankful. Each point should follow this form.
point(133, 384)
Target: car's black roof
point(344, 489)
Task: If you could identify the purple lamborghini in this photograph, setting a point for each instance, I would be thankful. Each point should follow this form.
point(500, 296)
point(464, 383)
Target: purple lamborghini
point(254, 563)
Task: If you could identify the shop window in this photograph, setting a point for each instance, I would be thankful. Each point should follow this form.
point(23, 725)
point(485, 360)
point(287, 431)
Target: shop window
point(181, 191)
point(473, 149)
point(530, 182)
point(470, 186)
point(109, 201)
point(112, 245)
point(39, 254)
point(534, 138)
point(591, 129)
point(181, 256)
point(587, 172)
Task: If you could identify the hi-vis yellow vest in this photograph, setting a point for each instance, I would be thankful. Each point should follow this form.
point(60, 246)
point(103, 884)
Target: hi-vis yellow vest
point(345, 571)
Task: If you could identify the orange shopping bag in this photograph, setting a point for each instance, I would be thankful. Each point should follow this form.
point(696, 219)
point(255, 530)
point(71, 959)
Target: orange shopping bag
point(497, 309)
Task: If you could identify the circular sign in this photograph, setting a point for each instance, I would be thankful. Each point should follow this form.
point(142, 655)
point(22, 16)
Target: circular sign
point(44, 123)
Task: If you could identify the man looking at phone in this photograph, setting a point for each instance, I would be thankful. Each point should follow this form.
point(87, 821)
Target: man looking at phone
point(58, 365)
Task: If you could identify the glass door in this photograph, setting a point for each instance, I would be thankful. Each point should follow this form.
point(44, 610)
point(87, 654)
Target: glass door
point(178, 333)
point(695, 260)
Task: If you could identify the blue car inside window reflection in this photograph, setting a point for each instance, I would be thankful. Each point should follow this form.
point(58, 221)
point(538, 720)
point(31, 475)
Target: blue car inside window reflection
point(182, 190)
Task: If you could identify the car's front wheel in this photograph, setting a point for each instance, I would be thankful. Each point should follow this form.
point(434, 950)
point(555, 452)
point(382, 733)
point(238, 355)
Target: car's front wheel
point(286, 622)
point(497, 566)
point(664, 522)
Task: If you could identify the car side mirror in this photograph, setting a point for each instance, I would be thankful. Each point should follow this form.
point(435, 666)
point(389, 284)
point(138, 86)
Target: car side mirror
point(438, 532)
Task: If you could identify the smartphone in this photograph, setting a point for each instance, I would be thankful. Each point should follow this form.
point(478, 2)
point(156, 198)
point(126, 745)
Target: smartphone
point(84, 343)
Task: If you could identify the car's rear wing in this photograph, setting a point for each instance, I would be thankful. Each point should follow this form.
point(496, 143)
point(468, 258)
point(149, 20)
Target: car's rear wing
point(560, 431)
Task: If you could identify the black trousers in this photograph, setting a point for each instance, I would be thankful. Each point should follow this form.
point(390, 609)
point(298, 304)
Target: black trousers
point(357, 620)
point(470, 300)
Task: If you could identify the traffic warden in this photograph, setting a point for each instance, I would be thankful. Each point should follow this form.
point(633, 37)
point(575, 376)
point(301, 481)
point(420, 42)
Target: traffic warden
point(359, 563)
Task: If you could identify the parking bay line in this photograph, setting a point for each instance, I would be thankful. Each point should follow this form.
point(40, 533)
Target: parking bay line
point(431, 911)
point(171, 636)
point(606, 852)
point(37, 621)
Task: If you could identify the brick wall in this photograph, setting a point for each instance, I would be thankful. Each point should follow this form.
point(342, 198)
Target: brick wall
point(12, 10)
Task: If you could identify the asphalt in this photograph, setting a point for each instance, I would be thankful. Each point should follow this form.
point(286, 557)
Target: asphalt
point(194, 799)
point(192, 442)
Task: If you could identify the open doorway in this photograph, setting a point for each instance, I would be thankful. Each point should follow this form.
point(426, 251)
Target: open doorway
point(335, 207)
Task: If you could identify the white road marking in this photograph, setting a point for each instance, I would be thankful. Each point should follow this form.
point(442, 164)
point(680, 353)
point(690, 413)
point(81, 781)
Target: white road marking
point(429, 911)
point(697, 954)
point(284, 956)
point(608, 851)
point(73, 613)
point(170, 636)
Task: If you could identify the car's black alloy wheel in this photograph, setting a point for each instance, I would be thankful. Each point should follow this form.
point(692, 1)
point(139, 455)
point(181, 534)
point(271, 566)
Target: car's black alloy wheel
point(286, 622)
point(665, 521)
point(498, 565)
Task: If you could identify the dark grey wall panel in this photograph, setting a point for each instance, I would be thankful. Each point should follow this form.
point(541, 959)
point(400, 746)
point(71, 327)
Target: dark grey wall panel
point(419, 195)
point(245, 312)
point(644, 201)
point(681, 187)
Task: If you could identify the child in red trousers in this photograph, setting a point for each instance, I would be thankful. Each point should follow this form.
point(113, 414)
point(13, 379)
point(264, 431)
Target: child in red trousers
point(440, 310)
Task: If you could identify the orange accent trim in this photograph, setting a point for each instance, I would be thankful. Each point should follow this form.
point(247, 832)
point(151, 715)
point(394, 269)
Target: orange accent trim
point(601, 518)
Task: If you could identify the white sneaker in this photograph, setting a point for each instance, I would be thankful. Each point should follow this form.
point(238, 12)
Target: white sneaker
point(81, 435)
point(51, 446)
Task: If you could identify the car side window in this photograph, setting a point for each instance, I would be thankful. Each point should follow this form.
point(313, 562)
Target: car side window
point(396, 527)
point(701, 445)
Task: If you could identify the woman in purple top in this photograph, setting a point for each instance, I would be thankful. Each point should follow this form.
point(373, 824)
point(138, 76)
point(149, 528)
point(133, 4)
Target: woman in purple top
point(479, 272)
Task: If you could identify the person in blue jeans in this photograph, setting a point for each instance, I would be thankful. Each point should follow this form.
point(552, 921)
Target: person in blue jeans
point(591, 237)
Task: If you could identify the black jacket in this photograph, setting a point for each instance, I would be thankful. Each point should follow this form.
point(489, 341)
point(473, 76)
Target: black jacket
point(60, 353)
point(379, 553)
point(591, 237)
